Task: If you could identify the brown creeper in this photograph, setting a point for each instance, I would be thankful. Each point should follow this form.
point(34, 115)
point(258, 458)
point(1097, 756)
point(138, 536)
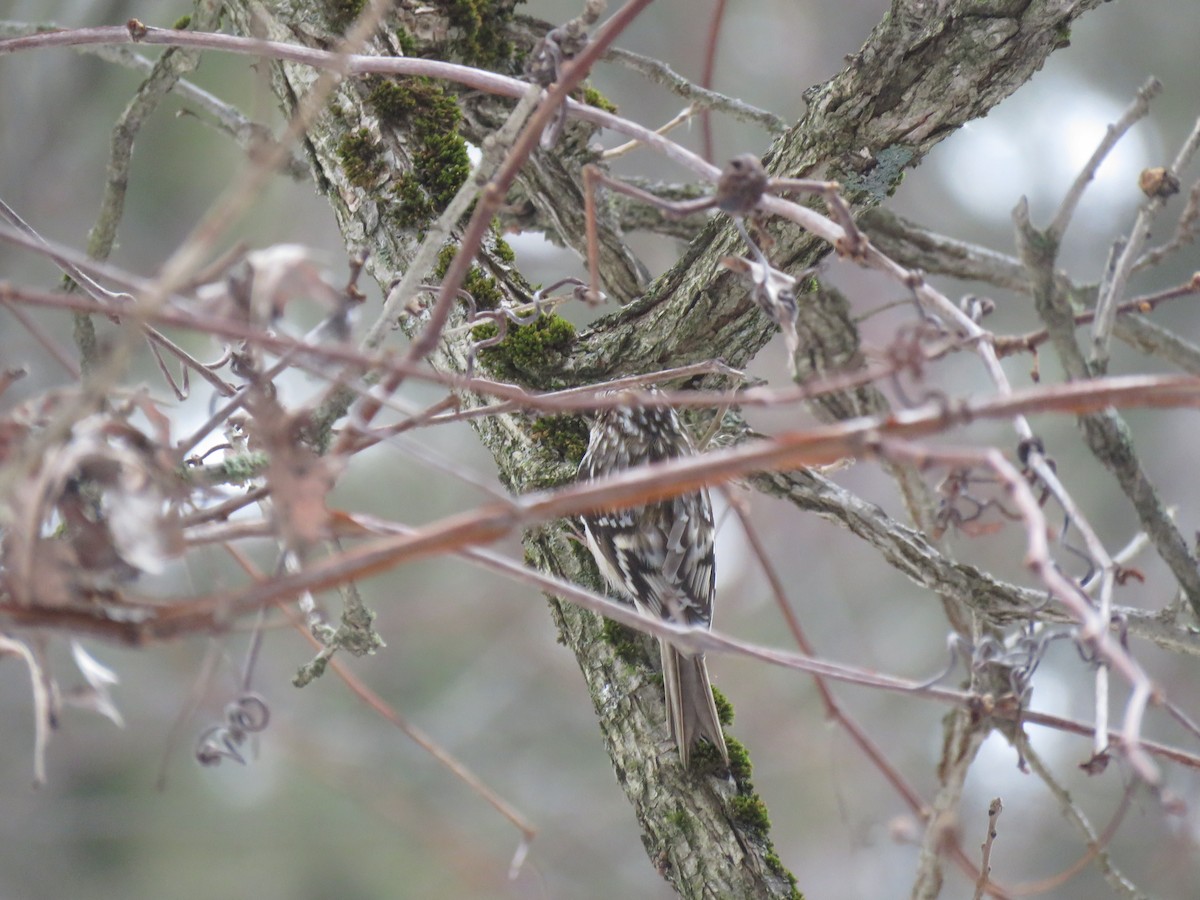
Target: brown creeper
point(659, 556)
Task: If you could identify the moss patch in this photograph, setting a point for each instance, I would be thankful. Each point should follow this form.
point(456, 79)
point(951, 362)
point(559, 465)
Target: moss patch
point(340, 13)
point(444, 258)
point(482, 287)
point(502, 250)
point(530, 353)
point(430, 116)
point(751, 814)
point(360, 158)
point(414, 211)
point(593, 97)
point(565, 435)
point(748, 809)
point(407, 42)
point(775, 864)
point(479, 30)
point(740, 766)
point(626, 643)
point(724, 708)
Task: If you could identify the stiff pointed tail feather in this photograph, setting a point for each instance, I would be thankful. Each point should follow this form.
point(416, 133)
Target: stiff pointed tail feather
point(691, 710)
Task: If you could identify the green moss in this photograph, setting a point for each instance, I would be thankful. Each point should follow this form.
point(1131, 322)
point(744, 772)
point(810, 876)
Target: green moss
point(740, 766)
point(340, 13)
point(360, 158)
point(431, 116)
point(182, 23)
point(485, 332)
point(724, 708)
point(444, 258)
point(479, 27)
point(565, 435)
point(751, 814)
point(437, 110)
point(481, 286)
point(593, 97)
point(407, 42)
point(502, 251)
point(529, 352)
point(419, 102)
point(706, 760)
point(775, 864)
point(443, 165)
point(626, 643)
point(391, 101)
point(414, 209)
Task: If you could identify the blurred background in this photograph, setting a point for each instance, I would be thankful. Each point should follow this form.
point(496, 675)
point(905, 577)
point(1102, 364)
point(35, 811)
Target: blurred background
point(335, 801)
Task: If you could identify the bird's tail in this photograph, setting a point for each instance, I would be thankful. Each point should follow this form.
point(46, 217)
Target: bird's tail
point(691, 710)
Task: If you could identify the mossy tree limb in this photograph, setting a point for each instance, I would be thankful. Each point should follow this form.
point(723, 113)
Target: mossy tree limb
point(923, 73)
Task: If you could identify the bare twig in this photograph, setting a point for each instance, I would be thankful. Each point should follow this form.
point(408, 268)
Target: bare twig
point(248, 134)
point(1133, 114)
point(985, 865)
point(1113, 287)
point(695, 95)
point(41, 703)
point(1097, 844)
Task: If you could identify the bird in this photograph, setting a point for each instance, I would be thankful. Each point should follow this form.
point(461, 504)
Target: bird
point(659, 556)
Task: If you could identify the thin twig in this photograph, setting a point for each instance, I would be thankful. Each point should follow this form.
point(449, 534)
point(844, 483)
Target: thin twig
point(248, 134)
point(1096, 844)
point(1114, 287)
point(985, 864)
point(41, 703)
point(422, 739)
point(711, 42)
point(694, 94)
point(1136, 111)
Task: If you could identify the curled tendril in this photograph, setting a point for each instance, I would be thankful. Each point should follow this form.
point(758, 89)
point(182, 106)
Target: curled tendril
point(1019, 656)
point(1091, 570)
point(246, 715)
point(960, 509)
point(905, 355)
point(249, 713)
